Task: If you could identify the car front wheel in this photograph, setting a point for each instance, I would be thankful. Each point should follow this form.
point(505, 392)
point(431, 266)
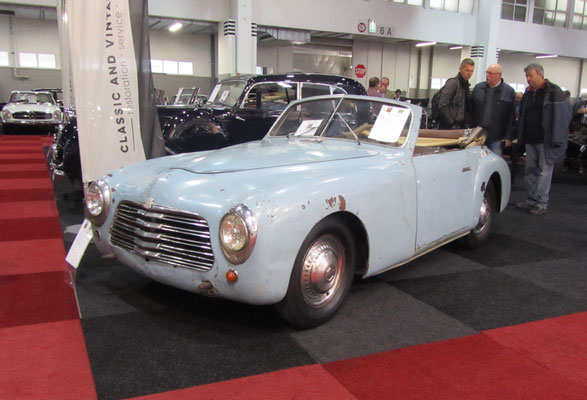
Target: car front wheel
point(321, 277)
point(479, 235)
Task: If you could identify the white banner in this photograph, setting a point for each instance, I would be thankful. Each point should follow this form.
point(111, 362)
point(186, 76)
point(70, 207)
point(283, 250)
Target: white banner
point(105, 85)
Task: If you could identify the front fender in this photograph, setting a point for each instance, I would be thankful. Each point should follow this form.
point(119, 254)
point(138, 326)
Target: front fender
point(494, 168)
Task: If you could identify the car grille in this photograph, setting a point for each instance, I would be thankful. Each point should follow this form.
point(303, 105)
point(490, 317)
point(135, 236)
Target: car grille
point(160, 234)
point(31, 115)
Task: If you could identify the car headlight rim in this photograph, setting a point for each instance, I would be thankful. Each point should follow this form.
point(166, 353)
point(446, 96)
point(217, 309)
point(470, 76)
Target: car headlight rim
point(97, 201)
point(238, 234)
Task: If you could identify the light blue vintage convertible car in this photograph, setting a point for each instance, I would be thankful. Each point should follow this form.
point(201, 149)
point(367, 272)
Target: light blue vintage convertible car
point(340, 186)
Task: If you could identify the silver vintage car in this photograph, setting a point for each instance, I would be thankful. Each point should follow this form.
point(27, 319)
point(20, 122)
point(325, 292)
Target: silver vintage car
point(340, 186)
point(30, 110)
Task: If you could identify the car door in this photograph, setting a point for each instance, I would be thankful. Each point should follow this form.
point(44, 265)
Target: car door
point(261, 106)
point(444, 184)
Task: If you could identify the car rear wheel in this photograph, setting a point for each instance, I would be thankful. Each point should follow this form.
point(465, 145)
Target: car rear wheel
point(322, 275)
point(479, 235)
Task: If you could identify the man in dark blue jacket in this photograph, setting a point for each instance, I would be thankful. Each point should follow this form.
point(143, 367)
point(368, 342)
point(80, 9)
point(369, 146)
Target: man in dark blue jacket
point(494, 107)
point(543, 127)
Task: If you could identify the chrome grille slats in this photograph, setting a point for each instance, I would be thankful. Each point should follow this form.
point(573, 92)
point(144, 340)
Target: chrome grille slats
point(31, 115)
point(168, 236)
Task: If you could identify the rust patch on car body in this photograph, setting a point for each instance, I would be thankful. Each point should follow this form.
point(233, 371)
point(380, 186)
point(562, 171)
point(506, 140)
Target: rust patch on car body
point(341, 203)
point(333, 201)
point(207, 288)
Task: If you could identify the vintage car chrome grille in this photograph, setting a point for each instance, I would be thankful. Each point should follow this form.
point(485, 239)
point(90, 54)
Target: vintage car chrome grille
point(31, 115)
point(160, 234)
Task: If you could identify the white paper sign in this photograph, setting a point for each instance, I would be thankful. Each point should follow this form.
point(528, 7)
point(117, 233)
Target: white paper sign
point(214, 93)
point(308, 127)
point(80, 244)
point(224, 95)
point(389, 124)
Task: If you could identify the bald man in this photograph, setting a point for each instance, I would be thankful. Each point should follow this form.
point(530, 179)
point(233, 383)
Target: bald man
point(494, 108)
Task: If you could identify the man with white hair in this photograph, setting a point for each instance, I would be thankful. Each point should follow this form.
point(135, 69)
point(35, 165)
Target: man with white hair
point(543, 127)
point(494, 108)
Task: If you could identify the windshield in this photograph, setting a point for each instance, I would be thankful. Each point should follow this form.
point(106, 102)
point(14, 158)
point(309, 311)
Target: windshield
point(186, 95)
point(346, 118)
point(31, 98)
point(226, 93)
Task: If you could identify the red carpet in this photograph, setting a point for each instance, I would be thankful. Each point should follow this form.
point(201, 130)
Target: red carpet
point(310, 382)
point(30, 229)
point(26, 195)
point(45, 361)
point(559, 343)
point(42, 348)
point(36, 298)
point(474, 367)
point(32, 256)
point(29, 209)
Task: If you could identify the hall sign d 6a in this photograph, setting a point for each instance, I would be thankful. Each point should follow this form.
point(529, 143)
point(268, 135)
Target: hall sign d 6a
point(360, 70)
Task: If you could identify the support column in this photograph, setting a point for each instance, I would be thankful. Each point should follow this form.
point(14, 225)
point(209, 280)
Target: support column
point(237, 41)
point(485, 51)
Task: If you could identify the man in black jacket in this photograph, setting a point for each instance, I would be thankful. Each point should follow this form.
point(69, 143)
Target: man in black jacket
point(543, 127)
point(454, 101)
point(494, 107)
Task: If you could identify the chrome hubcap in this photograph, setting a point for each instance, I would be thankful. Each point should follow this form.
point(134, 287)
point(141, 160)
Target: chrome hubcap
point(322, 270)
point(484, 216)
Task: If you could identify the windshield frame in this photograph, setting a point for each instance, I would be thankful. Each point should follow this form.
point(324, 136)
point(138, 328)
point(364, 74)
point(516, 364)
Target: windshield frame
point(217, 92)
point(24, 96)
point(413, 109)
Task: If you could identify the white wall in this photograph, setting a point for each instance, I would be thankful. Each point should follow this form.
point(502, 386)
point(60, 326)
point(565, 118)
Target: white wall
point(30, 36)
point(542, 39)
point(278, 58)
point(395, 64)
point(178, 46)
point(446, 62)
point(202, 10)
point(562, 71)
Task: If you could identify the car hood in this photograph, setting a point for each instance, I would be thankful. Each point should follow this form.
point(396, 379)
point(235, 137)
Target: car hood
point(273, 152)
point(46, 108)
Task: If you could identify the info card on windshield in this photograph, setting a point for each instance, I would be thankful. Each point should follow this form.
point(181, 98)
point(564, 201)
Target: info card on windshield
point(389, 124)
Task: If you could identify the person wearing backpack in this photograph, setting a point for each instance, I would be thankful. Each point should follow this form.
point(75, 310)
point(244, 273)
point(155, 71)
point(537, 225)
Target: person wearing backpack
point(454, 99)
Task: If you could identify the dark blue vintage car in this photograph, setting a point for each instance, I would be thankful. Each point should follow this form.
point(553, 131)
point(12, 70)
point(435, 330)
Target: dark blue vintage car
point(239, 109)
point(243, 108)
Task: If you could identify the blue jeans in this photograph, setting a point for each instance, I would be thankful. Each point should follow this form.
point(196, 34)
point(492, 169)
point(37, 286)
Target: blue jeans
point(537, 175)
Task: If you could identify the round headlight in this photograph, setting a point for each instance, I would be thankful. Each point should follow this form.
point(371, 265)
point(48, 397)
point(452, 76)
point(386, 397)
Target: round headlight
point(238, 234)
point(233, 232)
point(97, 199)
point(6, 115)
point(57, 115)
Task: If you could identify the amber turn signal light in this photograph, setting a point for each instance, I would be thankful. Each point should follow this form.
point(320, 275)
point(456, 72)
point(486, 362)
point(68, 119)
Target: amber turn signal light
point(231, 275)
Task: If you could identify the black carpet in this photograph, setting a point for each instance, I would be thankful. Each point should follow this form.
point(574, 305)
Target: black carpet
point(144, 337)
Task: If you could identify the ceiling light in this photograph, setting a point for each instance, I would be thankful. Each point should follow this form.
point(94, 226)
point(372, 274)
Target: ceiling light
point(547, 56)
point(425, 44)
point(455, 47)
point(175, 27)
